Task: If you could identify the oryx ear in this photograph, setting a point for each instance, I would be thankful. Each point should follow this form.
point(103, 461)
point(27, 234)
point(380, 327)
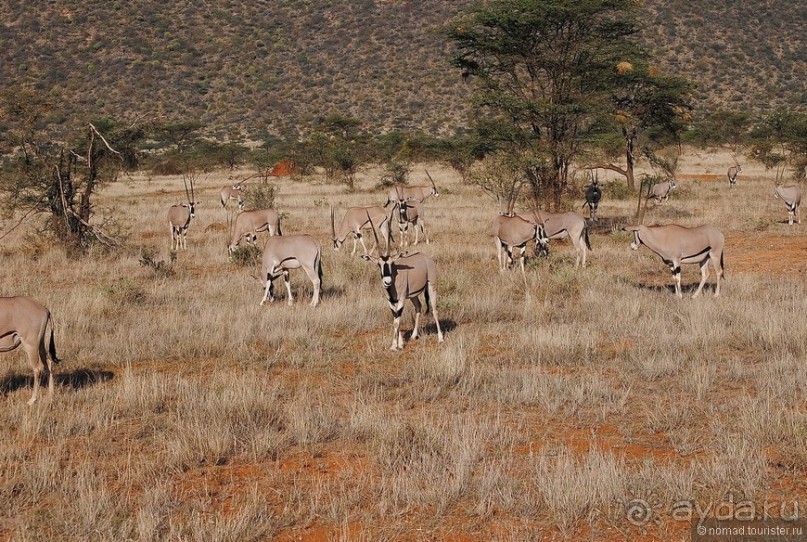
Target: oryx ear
point(366, 257)
point(630, 228)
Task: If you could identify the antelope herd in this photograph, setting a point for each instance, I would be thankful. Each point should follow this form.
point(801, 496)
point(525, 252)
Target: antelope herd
point(404, 275)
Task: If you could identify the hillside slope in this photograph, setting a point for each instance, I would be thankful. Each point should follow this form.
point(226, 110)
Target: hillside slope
point(275, 66)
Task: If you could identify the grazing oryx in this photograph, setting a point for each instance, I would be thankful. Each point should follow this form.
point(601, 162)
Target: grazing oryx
point(233, 192)
point(282, 253)
point(354, 220)
point(249, 223)
point(512, 233)
point(417, 194)
point(561, 225)
point(732, 174)
point(678, 245)
point(791, 195)
point(179, 218)
point(24, 321)
point(593, 197)
point(410, 212)
point(406, 276)
point(661, 191)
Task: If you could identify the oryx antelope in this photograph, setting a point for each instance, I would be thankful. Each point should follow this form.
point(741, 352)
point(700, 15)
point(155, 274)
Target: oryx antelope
point(249, 223)
point(406, 276)
point(24, 321)
point(593, 197)
point(356, 219)
point(678, 245)
point(661, 191)
point(410, 212)
point(511, 234)
point(732, 174)
point(179, 218)
point(561, 225)
point(417, 194)
point(233, 192)
point(791, 195)
point(283, 253)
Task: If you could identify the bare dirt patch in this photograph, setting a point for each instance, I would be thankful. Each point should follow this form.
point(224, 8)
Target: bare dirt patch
point(766, 254)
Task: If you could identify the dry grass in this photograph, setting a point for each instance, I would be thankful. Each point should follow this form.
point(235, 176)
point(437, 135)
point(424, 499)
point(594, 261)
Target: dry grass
point(185, 411)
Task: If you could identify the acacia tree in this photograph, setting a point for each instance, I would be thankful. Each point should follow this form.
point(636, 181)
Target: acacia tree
point(547, 68)
point(650, 111)
point(44, 175)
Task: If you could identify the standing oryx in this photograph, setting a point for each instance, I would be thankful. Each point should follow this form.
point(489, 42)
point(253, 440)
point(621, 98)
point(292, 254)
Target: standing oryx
point(250, 223)
point(593, 197)
point(661, 191)
point(179, 218)
point(512, 233)
point(561, 225)
point(233, 192)
point(678, 245)
point(732, 173)
point(418, 194)
point(791, 195)
point(282, 253)
point(410, 212)
point(24, 321)
point(406, 276)
point(355, 219)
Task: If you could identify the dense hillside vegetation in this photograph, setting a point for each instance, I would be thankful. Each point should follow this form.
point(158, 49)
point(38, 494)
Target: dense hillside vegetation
point(277, 66)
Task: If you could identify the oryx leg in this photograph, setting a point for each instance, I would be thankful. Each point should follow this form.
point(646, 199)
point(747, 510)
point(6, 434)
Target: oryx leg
point(267, 295)
point(433, 301)
point(580, 249)
point(718, 271)
point(397, 336)
point(675, 267)
point(418, 306)
point(361, 240)
point(704, 275)
point(287, 282)
point(500, 255)
point(313, 276)
point(38, 360)
point(423, 231)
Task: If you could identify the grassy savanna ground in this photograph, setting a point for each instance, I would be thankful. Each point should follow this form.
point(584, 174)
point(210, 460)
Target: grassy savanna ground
point(187, 412)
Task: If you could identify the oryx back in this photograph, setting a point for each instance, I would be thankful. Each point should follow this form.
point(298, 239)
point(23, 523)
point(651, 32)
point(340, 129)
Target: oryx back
point(413, 273)
point(677, 245)
point(253, 222)
point(355, 220)
point(561, 225)
point(283, 253)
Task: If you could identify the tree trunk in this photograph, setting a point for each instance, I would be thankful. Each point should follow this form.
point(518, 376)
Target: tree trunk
point(631, 161)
